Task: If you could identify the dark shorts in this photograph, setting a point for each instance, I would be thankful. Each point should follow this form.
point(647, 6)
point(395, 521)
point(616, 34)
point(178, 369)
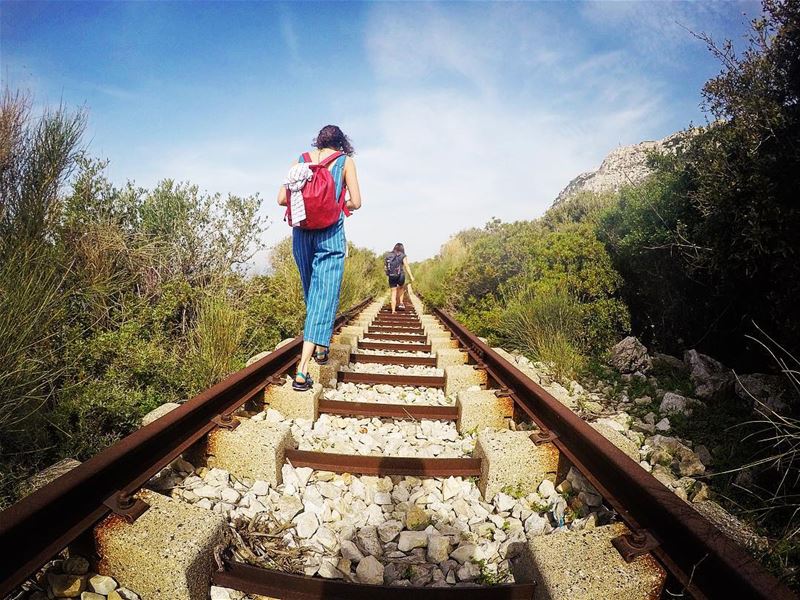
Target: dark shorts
point(397, 280)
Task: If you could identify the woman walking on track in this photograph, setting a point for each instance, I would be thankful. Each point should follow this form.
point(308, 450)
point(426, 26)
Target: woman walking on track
point(314, 194)
point(396, 266)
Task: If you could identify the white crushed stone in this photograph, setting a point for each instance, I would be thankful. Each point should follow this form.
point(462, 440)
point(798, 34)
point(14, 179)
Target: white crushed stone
point(384, 437)
point(388, 394)
point(338, 520)
point(360, 367)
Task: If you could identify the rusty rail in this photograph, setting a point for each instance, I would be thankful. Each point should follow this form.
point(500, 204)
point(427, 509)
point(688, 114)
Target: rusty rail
point(73, 503)
point(707, 563)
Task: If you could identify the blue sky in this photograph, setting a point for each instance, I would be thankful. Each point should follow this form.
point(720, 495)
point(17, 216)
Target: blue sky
point(459, 112)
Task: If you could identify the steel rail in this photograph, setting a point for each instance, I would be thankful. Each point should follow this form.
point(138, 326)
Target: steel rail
point(287, 586)
point(45, 522)
point(392, 359)
point(381, 410)
point(432, 381)
point(364, 464)
point(691, 547)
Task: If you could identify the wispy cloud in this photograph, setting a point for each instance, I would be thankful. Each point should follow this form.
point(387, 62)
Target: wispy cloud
point(452, 155)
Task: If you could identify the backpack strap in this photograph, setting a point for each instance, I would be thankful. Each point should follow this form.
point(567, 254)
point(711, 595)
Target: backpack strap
point(330, 159)
point(306, 157)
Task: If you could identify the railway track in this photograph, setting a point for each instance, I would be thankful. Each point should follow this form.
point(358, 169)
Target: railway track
point(427, 461)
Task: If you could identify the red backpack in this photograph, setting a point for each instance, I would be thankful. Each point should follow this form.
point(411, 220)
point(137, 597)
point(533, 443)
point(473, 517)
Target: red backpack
point(319, 195)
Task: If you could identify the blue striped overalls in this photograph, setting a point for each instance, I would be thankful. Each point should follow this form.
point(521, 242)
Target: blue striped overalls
point(319, 254)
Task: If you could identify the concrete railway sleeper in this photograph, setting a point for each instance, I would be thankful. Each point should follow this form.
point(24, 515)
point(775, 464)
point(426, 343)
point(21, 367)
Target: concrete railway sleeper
point(421, 464)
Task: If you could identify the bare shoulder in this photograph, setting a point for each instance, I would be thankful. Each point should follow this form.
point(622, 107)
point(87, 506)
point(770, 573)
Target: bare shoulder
point(349, 163)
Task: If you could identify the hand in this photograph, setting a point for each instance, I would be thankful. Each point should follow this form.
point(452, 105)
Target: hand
point(349, 205)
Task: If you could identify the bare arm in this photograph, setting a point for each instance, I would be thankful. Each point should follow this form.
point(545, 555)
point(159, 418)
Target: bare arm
point(408, 268)
point(351, 180)
point(282, 199)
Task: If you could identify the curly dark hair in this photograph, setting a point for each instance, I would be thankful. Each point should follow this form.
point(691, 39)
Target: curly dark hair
point(331, 136)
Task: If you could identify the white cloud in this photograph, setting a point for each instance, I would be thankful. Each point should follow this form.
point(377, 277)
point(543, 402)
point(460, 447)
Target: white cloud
point(442, 157)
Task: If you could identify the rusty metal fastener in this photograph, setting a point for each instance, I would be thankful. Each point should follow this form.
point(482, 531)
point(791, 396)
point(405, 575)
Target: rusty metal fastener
point(633, 544)
point(543, 436)
point(503, 392)
point(226, 421)
point(127, 506)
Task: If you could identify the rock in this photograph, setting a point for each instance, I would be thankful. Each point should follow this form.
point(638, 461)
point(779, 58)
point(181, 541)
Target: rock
point(66, 585)
point(674, 403)
point(663, 425)
point(123, 594)
point(764, 392)
point(370, 570)
point(623, 166)
point(665, 363)
point(350, 551)
point(700, 492)
point(547, 489)
point(630, 356)
point(47, 475)
point(159, 412)
point(389, 530)
point(417, 519)
point(329, 569)
point(704, 455)
point(75, 565)
point(619, 440)
point(464, 553)
point(711, 379)
point(231, 496)
point(690, 465)
point(306, 524)
point(256, 357)
point(412, 539)
point(102, 584)
point(368, 542)
point(219, 593)
point(289, 507)
point(438, 548)
point(260, 488)
point(94, 596)
point(642, 401)
point(731, 526)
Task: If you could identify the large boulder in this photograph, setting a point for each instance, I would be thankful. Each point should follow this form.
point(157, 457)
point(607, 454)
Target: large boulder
point(666, 363)
point(711, 379)
point(762, 390)
point(630, 356)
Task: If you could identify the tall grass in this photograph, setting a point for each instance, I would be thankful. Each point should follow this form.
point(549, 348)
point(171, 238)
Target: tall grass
point(433, 274)
point(546, 326)
point(214, 341)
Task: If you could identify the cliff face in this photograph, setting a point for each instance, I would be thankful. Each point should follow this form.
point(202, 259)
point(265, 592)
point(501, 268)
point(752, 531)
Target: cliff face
point(625, 165)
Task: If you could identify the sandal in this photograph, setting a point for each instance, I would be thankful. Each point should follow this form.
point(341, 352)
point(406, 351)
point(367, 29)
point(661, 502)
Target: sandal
point(302, 386)
point(321, 356)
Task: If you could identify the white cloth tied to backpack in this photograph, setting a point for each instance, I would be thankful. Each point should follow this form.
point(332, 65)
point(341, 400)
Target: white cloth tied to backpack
point(296, 180)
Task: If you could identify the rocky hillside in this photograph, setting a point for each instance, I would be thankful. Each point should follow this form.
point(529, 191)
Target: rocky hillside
point(623, 166)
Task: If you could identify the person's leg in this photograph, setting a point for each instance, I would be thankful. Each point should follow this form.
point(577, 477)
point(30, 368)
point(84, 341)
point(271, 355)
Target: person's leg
point(401, 293)
point(326, 282)
point(303, 251)
point(394, 298)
